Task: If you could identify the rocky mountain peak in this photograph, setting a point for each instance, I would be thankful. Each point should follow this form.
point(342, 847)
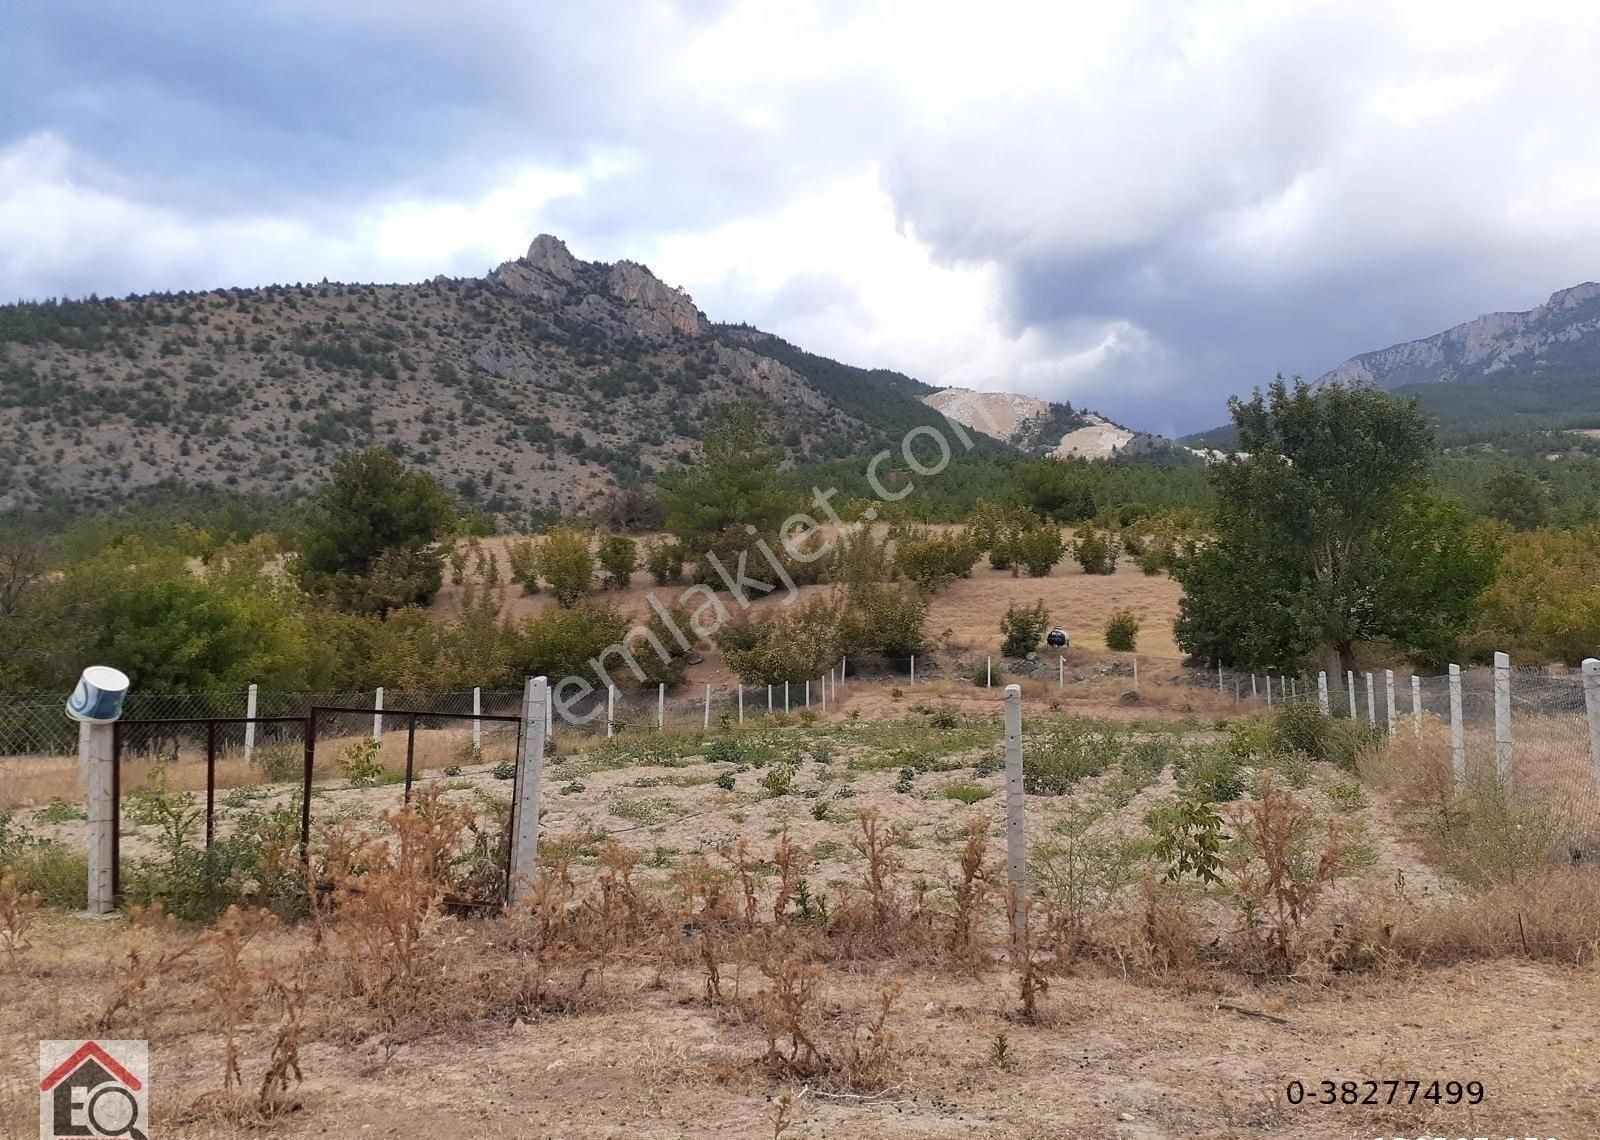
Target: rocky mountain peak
point(549, 254)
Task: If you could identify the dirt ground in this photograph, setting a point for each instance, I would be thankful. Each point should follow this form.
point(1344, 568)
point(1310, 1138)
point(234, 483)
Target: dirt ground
point(1109, 1058)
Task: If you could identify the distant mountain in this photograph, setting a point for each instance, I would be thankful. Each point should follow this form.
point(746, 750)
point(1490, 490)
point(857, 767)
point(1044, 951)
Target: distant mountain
point(1495, 375)
point(545, 385)
point(1044, 428)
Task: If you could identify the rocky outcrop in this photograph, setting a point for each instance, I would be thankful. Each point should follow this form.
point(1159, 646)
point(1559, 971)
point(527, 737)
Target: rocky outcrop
point(1565, 330)
point(1005, 416)
point(661, 309)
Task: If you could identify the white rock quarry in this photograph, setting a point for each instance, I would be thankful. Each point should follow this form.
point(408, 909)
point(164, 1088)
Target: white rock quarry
point(1098, 439)
point(1000, 415)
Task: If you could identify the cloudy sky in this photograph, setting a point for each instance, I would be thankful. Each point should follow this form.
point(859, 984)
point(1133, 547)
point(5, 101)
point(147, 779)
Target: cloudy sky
point(1135, 207)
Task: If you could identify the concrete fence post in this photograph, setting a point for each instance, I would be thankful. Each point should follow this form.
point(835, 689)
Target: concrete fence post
point(1322, 692)
point(1061, 671)
point(1016, 839)
point(96, 758)
point(808, 694)
point(988, 674)
point(1458, 730)
point(741, 704)
point(786, 696)
point(611, 711)
point(377, 715)
point(1372, 704)
point(825, 693)
point(1388, 696)
point(769, 698)
point(530, 775)
point(249, 723)
point(1350, 685)
point(550, 719)
point(661, 706)
point(1502, 719)
point(1416, 705)
point(1591, 705)
point(1254, 691)
point(1136, 679)
point(706, 723)
point(477, 725)
point(1219, 677)
point(913, 670)
point(1269, 690)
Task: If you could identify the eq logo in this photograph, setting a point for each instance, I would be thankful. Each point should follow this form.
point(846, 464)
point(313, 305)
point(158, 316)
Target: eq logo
point(93, 1088)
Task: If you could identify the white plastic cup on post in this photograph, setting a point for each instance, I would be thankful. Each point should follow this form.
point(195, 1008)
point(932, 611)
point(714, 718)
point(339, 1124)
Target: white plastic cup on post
point(611, 711)
point(706, 723)
point(1416, 704)
point(1016, 839)
point(1502, 719)
point(1388, 696)
point(1372, 704)
point(477, 725)
point(249, 723)
point(1458, 729)
point(377, 715)
point(1322, 692)
point(530, 775)
point(1591, 706)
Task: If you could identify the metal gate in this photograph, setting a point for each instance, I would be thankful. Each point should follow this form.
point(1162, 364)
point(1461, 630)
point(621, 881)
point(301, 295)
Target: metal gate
point(163, 740)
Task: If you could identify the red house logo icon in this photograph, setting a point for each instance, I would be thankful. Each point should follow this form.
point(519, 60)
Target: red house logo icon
point(93, 1089)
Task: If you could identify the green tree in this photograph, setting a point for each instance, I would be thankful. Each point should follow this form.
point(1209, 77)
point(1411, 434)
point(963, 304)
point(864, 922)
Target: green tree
point(1056, 489)
point(1516, 499)
point(1038, 550)
point(566, 564)
point(619, 557)
point(1324, 537)
point(374, 517)
point(1023, 628)
point(732, 484)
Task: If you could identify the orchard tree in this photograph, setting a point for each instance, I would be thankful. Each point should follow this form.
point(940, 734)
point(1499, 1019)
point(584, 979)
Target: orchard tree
point(1325, 536)
point(731, 486)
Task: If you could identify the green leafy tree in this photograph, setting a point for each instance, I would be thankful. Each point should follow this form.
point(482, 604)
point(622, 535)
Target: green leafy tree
point(619, 557)
point(370, 509)
point(1516, 499)
point(664, 560)
point(886, 618)
point(1023, 627)
point(1122, 631)
point(566, 564)
point(1095, 552)
point(1038, 550)
point(797, 643)
point(1324, 536)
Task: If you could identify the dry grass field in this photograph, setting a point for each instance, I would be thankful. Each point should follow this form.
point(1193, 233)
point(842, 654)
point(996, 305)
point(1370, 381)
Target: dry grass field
point(798, 931)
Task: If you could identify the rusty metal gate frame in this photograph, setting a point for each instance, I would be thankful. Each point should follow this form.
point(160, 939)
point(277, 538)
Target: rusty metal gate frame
point(308, 725)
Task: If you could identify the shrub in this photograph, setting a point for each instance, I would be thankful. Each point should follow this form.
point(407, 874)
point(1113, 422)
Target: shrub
point(932, 560)
point(779, 780)
point(1122, 631)
point(965, 793)
point(1213, 774)
point(725, 781)
point(1188, 838)
point(361, 763)
point(1094, 552)
point(664, 561)
point(1057, 756)
point(562, 642)
point(566, 564)
point(505, 770)
point(619, 557)
point(1038, 550)
point(59, 810)
point(883, 619)
point(523, 557)
point(280, 761)
point(1023, 628)
point(452, 770)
